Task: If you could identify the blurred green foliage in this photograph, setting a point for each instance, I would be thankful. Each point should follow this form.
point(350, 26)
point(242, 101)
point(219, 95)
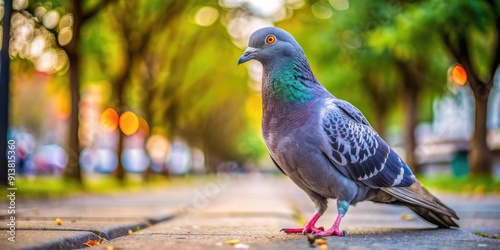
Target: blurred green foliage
point(465, 184)
point(54, 186)
point(50, 186)
point(182, 77)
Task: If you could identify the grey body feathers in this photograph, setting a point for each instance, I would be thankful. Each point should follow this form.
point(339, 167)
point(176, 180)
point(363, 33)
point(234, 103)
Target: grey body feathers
point(325, 145)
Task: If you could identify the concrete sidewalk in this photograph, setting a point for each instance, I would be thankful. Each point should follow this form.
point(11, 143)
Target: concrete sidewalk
point(248, 209)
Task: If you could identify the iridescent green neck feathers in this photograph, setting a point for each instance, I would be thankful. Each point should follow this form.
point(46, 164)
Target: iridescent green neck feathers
point(289, 83)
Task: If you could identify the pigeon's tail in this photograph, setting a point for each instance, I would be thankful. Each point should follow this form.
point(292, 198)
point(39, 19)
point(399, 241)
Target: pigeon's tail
point(422, 202)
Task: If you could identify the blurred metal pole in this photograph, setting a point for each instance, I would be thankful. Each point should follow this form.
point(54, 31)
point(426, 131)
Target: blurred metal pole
point(4, 90)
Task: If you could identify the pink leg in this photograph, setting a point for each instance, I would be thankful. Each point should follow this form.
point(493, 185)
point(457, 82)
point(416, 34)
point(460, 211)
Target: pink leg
point(308, 228)
point(334, 231)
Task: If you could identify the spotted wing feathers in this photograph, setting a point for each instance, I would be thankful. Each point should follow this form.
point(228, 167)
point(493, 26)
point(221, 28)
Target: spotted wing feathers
point(357, 150)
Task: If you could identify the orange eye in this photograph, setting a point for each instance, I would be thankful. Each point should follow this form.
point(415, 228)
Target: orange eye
point(270, 39)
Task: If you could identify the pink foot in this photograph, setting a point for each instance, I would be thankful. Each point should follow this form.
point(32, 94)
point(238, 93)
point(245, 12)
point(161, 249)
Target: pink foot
point(303, 230)
point(332, 232)
point(308, 228)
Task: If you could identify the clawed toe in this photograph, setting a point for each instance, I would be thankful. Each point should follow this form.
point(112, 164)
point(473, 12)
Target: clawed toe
point(314, 230)
point(335, 232)
point(304, 230)
point(292, 230)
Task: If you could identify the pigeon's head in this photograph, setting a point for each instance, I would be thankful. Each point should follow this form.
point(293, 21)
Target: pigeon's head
point(270, 45)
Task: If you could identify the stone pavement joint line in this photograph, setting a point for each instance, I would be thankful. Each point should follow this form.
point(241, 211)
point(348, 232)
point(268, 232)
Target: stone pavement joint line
point(90, 217)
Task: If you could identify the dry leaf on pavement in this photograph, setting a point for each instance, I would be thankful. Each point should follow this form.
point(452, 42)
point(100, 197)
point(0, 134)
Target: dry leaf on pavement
point(91, 243)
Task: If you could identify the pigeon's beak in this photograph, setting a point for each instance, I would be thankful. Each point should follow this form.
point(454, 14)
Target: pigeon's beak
point(248, 55)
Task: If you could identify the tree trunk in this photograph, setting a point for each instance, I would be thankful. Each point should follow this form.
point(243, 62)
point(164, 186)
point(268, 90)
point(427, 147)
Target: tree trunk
point(73, 170)
point(120, 83)
point(411, 73)
point(410, 144)
point(120, 170)
point(150, 87)
point(380, 120)
point(479, 156)
point(379, 98)
point(480, 159)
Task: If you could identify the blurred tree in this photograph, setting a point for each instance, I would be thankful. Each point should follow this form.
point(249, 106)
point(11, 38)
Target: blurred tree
point(138, 24)
point(470, 30)
point(197, 98)
point(80, 17)
point(213, 107)
point(416, 61)
point(379, 87)
point(169, 70)
point(374, 49)
point(45, 15)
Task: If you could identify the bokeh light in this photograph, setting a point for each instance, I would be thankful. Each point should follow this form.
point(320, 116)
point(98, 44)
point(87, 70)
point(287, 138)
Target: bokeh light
point(340, 5)
point(109, 119)
point(158, 148)
point(179, 158)
point(459, 75)
point(35, 43)
point(38, 45)
point(40, 12)
point(65, 36)
point(135, 160)
point(66, 21)
point(143, 126)
point(206, 16)
point(321, 10)
point(262, 7)
point(62, 62)
point(66, 30)
point(129, 123)
point(51, 19)
point(20, 4)
point(46, 61)
point(103, 160)
point(62, 105)
point(51, 158)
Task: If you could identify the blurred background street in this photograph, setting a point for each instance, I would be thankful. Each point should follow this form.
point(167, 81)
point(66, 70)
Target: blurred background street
point(221, 211)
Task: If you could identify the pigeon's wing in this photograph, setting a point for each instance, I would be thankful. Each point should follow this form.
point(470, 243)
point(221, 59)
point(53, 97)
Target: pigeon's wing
point(352, 145)
point(278, 166)
point(351, 111)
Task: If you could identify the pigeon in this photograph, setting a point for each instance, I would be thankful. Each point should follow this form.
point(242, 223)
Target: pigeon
point(325, 145)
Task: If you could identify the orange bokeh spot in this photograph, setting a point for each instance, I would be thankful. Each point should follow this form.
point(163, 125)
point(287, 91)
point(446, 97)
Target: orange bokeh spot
point(62, 106)
point(458, 75)
point(143, 126)
point(109, 119)
point(129, 123)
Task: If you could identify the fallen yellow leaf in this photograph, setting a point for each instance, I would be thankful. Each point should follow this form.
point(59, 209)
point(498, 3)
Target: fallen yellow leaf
point(233, 242)
point(406, 216)
point(320, 241)
point(323, 247)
